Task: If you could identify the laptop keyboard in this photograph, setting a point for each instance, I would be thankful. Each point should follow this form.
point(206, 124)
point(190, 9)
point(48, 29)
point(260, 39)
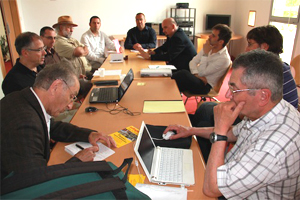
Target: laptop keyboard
point(105, 94)
point(171, 165)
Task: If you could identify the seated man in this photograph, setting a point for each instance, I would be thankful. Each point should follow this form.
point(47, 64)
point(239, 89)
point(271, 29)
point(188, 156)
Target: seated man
point(178, 50)
point(96, 42)
point(209, 65)
point(264, 162)
point(69, 48)
point(269, 39)
point(27, 126)
point(141, 36)
point(48, 36)
point(30, 48)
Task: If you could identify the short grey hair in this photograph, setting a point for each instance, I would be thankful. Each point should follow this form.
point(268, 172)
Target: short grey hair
point(263, 70)
point(62, 70)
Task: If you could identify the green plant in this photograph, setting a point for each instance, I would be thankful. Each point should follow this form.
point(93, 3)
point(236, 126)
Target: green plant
point(4, 46)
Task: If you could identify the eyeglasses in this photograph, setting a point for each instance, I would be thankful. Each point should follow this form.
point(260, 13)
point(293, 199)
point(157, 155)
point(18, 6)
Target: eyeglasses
point(74, 98)
point(242, 90)
point(50, 37)
point(37, 50)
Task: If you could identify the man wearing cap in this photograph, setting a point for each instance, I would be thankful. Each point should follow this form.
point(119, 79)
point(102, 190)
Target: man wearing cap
point(70, 48)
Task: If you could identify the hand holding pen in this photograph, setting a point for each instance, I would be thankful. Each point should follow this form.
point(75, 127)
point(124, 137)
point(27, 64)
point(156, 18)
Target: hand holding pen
point(86, 155)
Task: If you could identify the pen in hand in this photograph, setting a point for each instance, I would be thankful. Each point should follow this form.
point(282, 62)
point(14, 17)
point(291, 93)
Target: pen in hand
point(80, 147)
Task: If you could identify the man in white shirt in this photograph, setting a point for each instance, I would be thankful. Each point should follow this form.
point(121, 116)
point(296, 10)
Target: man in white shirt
point(208, 65)
point(96, 42)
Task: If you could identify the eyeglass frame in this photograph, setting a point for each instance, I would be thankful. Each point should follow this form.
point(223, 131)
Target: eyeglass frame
point(37, 50)
point(241, 90)
point(72, 98)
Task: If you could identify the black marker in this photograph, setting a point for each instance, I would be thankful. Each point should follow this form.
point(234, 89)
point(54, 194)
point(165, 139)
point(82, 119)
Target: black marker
point(80, 147)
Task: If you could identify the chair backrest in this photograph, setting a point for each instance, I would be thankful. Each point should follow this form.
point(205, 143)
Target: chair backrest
point(218, 86)
point(296, 64)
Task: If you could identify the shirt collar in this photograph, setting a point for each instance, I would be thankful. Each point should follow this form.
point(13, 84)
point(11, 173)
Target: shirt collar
point(47, 116)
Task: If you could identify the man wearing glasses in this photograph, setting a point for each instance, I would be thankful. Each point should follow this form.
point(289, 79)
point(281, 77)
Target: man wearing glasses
point(27, 126)
point(264, 162)
point(48, 36)
point(30, 48)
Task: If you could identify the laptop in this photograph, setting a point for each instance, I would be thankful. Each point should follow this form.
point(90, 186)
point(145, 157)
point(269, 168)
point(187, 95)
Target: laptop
point(112, 94)
point(162, 168)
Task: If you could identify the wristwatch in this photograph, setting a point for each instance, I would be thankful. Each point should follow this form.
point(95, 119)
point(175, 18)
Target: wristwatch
point(214, 137)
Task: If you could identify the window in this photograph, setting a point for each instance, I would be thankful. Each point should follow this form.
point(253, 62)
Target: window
point(285, 16)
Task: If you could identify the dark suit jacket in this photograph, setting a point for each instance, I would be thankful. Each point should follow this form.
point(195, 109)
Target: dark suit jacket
point(24, 135)
point(177, 50)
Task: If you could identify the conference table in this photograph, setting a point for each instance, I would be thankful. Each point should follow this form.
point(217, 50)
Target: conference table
point(134, 61)
point(103, 121)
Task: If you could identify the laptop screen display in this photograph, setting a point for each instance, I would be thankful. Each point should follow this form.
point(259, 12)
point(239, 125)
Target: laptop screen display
point(146, 149)
point(125, 84)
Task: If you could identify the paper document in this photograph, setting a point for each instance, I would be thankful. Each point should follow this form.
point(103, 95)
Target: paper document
point(162, 67)
point(125, 136)
point(162, 192)
point(136, 51)
point(163, 106)
point(103, 152)
point(108, 72)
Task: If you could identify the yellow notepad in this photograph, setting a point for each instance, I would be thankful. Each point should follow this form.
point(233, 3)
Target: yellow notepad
point(163, 106)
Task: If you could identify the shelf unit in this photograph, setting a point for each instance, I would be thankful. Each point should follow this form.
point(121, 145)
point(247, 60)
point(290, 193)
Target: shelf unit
point(186, 19)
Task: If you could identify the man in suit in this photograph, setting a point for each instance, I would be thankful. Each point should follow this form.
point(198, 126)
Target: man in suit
point(30, 48)
point(141, 36)
point(27, 127)
point(178, 50)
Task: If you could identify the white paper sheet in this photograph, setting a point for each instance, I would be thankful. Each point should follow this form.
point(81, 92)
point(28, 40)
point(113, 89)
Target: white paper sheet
point(103, 152)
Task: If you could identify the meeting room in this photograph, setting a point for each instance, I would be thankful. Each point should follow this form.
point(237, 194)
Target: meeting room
point(168, 99)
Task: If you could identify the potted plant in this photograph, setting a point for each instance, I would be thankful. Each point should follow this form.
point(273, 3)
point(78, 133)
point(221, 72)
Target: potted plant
point(4, 46)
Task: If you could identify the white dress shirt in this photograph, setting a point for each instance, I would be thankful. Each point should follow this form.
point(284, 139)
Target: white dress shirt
point(212, 67)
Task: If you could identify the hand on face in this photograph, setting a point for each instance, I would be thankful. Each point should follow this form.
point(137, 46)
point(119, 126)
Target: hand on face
point(225, 114)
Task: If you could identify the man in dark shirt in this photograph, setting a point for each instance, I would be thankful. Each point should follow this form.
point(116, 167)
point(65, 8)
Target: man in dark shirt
point(178, 50)
point(140, 36)
point(30, 48)
point(48, 36)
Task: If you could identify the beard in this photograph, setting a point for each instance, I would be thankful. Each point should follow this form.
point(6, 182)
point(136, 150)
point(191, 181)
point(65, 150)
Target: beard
point(66, 34)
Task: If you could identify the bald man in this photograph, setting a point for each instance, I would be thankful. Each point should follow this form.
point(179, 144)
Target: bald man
point(178, 50)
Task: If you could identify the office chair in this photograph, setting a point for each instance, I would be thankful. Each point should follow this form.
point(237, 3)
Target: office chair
point(213, 93)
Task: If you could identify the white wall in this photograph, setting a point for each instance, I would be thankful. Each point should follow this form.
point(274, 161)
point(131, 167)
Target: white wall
point(117, 16)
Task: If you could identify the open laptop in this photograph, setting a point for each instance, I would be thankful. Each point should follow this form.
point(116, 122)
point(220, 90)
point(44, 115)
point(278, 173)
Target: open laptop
point(157, 167)
point(111, 94)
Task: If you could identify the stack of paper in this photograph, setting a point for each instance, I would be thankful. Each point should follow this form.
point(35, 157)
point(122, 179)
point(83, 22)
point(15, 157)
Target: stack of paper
point(163, 106)
point(162, 67)
point(103, 152)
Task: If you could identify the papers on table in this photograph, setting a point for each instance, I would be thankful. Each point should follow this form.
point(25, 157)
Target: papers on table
point(102, 72)
point(162, 67)
point(103, 152)
point(163, 192)
point(136, 51)
point(163, 106)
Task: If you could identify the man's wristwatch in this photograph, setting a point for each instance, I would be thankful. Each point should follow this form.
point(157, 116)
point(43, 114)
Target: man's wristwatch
point(214, 137)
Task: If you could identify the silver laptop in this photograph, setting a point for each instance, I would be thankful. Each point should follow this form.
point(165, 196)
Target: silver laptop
point(164, 165)
point(111, 94)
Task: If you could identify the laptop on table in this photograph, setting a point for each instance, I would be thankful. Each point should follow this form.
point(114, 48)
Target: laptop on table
point(112, 94)
point(164, 165)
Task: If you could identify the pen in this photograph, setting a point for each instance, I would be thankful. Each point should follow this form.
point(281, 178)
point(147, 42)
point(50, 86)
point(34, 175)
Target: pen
point(80, 147)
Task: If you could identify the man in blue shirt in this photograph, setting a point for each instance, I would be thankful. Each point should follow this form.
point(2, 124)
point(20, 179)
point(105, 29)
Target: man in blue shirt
point(140, 36)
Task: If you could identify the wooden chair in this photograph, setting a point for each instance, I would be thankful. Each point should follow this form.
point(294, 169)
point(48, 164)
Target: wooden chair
point(295, 66)
point(213, 93)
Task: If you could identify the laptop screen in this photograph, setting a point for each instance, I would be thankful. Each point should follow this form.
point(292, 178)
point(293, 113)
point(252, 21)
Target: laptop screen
point(125, 84)
point(146, 149)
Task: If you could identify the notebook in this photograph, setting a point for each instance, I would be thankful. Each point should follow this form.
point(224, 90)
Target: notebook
point(160, 168)
point(111, 94)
